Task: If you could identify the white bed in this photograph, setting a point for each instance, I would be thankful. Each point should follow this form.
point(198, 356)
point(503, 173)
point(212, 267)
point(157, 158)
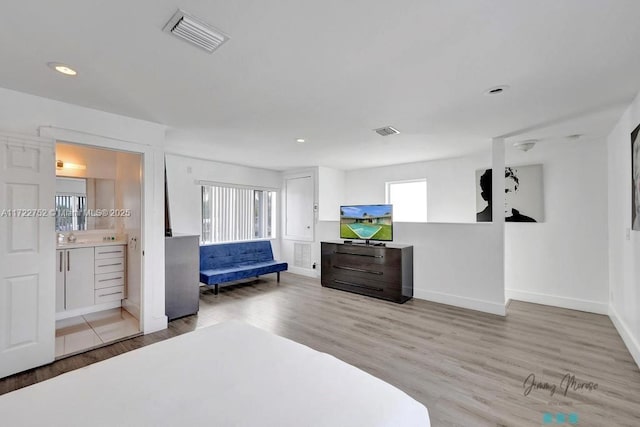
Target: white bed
point(231, 374)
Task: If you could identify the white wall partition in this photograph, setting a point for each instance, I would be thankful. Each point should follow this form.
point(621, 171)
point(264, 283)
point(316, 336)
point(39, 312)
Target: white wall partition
point(624, 243)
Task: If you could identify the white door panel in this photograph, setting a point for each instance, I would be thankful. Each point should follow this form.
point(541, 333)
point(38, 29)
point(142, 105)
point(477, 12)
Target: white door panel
point(299, 209)
point(27, 253)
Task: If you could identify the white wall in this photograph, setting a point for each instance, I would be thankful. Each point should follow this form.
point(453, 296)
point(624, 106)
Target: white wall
point(99, 163)
point(32, 115)
point(185, 193)
point(451, 191)
point(624, 244)
point(563, 260)
point(331, 193)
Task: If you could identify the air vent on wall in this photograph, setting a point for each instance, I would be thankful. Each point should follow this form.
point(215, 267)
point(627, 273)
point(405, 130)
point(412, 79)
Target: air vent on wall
point(388, 130)
point(195, 31)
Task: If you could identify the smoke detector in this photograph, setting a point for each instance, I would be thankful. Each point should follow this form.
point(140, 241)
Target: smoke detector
point(195, 31)
point(525, 145)
point(387, 130)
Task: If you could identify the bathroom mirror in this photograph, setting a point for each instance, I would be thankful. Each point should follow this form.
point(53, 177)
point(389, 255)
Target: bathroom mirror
point(78, 201)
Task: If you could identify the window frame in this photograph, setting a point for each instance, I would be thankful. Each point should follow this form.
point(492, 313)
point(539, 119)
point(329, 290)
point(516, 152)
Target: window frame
point(273, 212)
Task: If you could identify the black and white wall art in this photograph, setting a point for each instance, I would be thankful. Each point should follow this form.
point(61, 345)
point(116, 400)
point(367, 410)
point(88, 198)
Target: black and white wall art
point(524, 201)
point(635, 179)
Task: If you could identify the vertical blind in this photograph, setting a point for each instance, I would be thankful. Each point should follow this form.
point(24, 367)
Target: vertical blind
point(71, 212)
point(227, 214)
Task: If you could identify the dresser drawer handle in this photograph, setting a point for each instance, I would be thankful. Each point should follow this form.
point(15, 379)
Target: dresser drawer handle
point(361, 270)
point(353, 253)
point(112, 293)
point(108, 280)
point(342, 282)
point(110, 265)
point(110, 252)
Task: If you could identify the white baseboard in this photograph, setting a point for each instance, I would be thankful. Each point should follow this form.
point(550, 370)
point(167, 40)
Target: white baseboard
point(627, 337)
point(86, 310)
point(556, 301)
point(303, 271)
point(464, 302)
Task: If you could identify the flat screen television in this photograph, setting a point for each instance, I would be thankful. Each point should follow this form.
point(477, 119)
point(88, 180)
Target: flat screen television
point(367, 222)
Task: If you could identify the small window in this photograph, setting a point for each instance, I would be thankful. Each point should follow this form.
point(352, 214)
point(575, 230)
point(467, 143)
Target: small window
point(409, 200)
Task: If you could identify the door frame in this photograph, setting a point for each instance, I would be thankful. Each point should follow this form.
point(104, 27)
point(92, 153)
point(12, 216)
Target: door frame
point(152, 309)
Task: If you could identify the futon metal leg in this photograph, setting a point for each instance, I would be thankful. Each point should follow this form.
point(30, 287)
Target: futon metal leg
point(215, 292)
point(278, 273)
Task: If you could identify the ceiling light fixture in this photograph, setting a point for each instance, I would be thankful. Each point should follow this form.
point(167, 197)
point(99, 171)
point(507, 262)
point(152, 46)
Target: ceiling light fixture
point(300, 140)
point(66, 165)
point(496, 90)
point(62, 68)
point(525, 145)
point(574, 137)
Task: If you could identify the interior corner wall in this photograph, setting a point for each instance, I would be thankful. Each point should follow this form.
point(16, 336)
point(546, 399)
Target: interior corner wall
point(624, 243)
point(562, 261)
point(184, 192)
point(128, 170)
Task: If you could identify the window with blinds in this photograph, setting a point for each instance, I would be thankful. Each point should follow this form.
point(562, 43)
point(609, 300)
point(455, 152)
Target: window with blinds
point(237, 213)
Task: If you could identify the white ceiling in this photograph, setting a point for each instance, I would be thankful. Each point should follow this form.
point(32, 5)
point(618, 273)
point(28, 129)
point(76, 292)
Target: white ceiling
point(330, 71)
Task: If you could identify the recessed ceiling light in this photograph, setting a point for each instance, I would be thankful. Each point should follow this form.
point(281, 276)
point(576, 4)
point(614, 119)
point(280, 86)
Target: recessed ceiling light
point(300, 140)
point(62, 68)
point(574, 137)
point(496, 90)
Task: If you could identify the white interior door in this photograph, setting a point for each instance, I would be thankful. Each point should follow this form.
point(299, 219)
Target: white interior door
point(299, 210)
point(27, 253)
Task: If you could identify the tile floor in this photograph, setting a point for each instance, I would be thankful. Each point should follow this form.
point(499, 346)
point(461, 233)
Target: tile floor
point(93, 330)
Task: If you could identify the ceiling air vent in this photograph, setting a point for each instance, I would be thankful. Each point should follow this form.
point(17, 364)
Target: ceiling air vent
point(195, 31)
point(388, 130)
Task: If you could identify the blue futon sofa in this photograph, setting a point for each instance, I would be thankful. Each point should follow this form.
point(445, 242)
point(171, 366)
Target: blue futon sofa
point(225, 262)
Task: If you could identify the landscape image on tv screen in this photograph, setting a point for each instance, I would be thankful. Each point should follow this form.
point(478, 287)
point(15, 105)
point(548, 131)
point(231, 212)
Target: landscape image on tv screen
point(366, 222)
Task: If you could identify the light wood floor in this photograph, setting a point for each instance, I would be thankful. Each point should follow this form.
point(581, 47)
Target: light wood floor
point(467, 367)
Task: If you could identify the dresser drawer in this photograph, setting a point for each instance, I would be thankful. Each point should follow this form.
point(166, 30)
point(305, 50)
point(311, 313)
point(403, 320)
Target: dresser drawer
point(371, 289)
point(115, 251)
point(109, 265)
point(107, 280)
point(114, 293)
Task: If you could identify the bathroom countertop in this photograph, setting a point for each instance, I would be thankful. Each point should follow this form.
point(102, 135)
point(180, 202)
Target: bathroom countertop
point(89, 244)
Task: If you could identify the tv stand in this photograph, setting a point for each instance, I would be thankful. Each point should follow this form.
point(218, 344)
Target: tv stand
point(377, 270)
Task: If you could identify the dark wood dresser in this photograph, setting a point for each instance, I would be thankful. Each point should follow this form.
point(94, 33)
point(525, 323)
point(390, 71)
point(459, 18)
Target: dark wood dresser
point(379, 271)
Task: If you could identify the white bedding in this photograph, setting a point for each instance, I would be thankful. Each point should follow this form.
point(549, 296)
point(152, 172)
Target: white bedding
point(230, 374)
